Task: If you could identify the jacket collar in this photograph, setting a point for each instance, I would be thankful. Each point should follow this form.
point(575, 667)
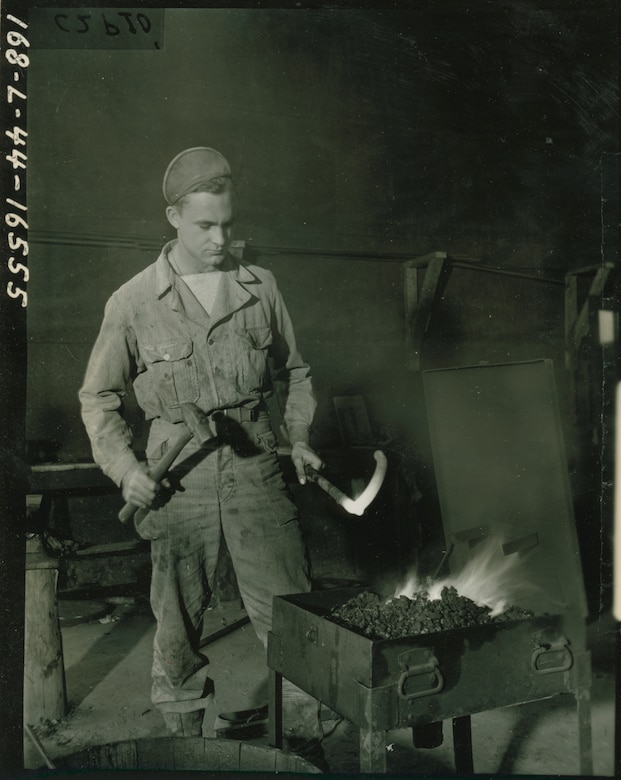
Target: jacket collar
point(232, 294)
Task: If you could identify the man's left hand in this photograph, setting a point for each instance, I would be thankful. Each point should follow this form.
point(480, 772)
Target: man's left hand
point(302, 456)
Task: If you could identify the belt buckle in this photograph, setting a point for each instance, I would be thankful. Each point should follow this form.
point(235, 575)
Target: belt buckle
point(238, 413)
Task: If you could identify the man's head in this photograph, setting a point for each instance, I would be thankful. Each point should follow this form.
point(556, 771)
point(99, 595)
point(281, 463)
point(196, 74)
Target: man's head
point(198, 189)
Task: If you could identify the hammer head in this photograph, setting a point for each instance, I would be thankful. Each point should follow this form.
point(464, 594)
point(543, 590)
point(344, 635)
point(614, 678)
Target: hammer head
point(197, 422)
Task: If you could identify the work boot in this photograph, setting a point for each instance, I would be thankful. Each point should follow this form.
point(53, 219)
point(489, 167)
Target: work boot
point(310, 750)
point(242, 724)
point(184, 724)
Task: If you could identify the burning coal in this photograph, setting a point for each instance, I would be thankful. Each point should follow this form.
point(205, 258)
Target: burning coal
point(400, 617)
point(479, 594)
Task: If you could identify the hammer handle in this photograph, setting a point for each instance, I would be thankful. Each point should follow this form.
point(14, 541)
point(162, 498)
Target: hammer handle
point(159, 471)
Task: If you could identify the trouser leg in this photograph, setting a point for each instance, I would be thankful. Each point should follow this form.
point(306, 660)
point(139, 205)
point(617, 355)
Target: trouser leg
point(247, 495)
point(179, 596)
point(185, 538)
point(262, 531)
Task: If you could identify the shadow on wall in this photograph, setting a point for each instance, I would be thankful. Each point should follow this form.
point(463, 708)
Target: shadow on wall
point(51, 427)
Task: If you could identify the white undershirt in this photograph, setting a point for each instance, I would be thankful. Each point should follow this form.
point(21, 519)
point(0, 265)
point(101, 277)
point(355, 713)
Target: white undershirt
point(204, 286)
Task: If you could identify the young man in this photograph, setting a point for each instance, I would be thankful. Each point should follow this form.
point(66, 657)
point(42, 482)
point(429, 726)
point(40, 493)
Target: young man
point(198, 326)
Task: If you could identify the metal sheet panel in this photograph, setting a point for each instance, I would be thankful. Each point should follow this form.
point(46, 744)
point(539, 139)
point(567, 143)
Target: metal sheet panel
point(502, 477)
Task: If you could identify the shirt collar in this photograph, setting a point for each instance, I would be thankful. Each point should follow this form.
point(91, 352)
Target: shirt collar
point(165, 275)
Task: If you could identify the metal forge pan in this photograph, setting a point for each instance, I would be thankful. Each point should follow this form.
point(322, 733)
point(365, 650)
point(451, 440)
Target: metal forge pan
point(502, 479)
point(398, 683)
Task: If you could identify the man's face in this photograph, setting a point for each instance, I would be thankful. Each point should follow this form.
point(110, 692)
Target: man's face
point(204, 227)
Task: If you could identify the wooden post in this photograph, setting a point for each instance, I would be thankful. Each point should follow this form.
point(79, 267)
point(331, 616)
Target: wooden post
point(418, 307)
point(372, 750)
point(571, 315)
point(578, 327)
point(410, 290)
point(45, 696)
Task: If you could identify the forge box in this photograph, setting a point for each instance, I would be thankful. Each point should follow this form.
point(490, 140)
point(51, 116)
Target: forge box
point(395, 683)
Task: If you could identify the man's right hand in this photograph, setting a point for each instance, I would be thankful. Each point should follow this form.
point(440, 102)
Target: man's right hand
point(138, 488)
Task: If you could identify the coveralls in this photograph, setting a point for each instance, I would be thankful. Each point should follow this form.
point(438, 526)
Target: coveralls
point(156, 334)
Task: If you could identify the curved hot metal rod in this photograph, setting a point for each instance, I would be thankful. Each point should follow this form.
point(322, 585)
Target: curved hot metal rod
point(358, 505)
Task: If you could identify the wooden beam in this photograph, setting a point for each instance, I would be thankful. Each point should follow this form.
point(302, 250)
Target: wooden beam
point(424, 260)
point(419, 307)
point(589, 269)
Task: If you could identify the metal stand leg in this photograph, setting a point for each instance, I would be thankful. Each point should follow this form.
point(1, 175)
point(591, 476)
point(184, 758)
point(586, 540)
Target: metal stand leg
point(275, 709)
point(617, 674)
point(462, 745)
point(585, 742)
point(372, 751)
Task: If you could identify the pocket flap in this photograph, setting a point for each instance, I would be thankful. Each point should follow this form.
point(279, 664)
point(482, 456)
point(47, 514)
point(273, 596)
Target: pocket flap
point(260, 337)
point(175, 350)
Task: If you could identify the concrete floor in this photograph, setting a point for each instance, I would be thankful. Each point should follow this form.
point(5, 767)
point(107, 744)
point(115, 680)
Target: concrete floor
point(107, 663)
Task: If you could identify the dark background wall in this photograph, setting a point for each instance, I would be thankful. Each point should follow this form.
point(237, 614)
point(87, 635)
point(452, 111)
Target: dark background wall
point(475, 128)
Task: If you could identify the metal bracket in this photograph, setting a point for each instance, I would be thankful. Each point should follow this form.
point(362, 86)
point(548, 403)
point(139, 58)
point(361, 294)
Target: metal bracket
point(312, 634)
point(546, 660)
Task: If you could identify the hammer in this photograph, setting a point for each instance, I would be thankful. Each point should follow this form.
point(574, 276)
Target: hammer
point(196, 425)
point(358, 505)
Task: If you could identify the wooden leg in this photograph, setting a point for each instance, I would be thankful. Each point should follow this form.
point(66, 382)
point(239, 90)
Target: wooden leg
point(54, 514)
point(372, 751)
point(44, 690)
point(462, 745)
point(275, 709)
point(585, 742)
point(45, 697)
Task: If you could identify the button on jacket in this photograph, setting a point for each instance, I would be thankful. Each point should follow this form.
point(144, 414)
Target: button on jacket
point(156, 334)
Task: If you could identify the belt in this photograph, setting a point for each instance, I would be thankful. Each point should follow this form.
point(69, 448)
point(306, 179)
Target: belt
point(239, 413)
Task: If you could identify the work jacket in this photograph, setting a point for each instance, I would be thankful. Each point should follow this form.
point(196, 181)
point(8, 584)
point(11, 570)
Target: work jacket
point(157, 335)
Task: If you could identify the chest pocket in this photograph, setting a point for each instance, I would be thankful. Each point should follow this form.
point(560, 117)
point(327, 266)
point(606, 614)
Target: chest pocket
point(240, 358)
point(173, 371)
point(254, 344)
point(259, 337)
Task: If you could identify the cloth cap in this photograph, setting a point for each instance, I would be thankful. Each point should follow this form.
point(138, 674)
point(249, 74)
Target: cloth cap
point(190, 168)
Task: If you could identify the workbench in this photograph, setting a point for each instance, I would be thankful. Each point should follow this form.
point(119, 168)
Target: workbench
point(115, 555)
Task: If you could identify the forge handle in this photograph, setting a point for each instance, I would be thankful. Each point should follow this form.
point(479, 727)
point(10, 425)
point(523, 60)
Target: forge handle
point(553, 657)
point(427, 675)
